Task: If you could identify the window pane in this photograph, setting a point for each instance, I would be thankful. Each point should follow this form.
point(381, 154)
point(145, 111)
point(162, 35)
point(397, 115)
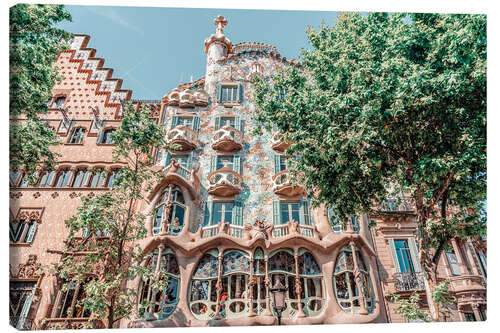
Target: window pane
point(403, 254)
point(453, 261)
point(283, 161)
point(227, 121)
point(224, 161)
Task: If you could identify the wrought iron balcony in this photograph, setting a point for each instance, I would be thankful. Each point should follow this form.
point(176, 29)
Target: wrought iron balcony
point(407, 281)
point(21, 323)
point(224, 182)
point(282, 184)
point(183, 136)
point(227, 138)
point(278, 144)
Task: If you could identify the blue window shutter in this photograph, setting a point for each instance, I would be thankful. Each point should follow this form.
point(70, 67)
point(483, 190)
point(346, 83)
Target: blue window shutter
point(219, 93)
point(213, 163)
point(237, 164)
point(189, 163)
point(196, 123)
point(276, 212)
point(31, 233)
point(175, 119)
point(167, 160)
point(237, 213)
point(304, 212)
point(240, 93)
point(414, 254)
point(276, 163)
point(394, 255)
point(217, 123)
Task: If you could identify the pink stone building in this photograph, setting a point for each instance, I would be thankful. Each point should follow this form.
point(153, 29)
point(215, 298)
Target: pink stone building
point(225, 220)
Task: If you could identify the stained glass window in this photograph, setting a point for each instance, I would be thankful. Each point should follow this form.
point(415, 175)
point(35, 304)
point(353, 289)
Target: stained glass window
point(346, 288)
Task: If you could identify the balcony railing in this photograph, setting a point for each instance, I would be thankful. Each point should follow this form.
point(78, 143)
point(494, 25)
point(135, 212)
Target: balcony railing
point(21, 323)
point(235, 231)
point(282, 184)
point(288, 228)
point(227, 138)
point(277, 142)
point(224, 182)
point(407, 281)
point(183, 136)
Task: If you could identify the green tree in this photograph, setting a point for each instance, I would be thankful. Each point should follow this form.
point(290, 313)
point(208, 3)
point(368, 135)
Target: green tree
point(34, 44)
point(385, 106)
point(104, 264)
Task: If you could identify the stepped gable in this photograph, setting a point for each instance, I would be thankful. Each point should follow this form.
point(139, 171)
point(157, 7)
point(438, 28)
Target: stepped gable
point(96, 74)
point(256, 48)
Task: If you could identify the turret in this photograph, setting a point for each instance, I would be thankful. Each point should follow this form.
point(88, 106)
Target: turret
point(217, 47)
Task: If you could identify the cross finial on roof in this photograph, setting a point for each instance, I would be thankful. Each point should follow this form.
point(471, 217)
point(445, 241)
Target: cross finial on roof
point(220, 22)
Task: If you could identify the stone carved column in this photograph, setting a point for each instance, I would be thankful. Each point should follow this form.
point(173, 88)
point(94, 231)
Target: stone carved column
point(359, 281)
point(73, 171)
point(298, 287)
point(251, 313)
point(458, 253)
point(267, 281)
point(477, 314)
point(219, 287)
point(168, 211)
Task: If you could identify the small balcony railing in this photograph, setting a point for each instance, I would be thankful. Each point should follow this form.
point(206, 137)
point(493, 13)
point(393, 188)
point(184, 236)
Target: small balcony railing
point(407, 281)
point(278, 144)
point(185, 137)
point(397, 205)
point(224, 182)
point(235, 231)
point(282, 184)
point(226, 139)
point(288, 228)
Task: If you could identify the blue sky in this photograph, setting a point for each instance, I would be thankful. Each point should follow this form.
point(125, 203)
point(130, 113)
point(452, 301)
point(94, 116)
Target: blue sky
point(151, 48)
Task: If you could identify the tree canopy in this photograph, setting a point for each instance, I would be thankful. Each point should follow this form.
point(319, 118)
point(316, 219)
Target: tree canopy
point(34, 43)
point(388, 105)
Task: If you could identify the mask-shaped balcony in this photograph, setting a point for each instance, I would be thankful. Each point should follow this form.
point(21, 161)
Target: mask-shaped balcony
point(282, 184)
point(278, 144)
point(227, 138)
point(224, 182)
point(183, 136)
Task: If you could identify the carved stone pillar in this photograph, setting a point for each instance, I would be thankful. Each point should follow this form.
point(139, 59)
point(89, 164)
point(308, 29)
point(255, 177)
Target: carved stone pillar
point(359, 281)
point(477, 314)
point(219, 287)
point(267, 312)
point(298, 287)
point(168, 211)
point(73, 171)
point(251, 313)
point(458, 253)
point(151, 292)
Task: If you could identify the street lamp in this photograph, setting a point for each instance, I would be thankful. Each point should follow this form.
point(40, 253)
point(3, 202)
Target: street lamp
point(278, 294)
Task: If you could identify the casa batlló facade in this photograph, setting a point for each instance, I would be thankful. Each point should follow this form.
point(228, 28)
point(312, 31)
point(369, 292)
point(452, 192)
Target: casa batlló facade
point(225, 222)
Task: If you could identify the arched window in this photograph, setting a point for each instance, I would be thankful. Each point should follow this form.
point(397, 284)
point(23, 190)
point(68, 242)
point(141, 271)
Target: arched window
point(113, 176)
point(171, 207)
point(164, 301)
point(259, 278)
point(235, 274)
point(46, 179)
point(81, 178)
point(63, 178)
point(98, 178)
point(282, 267)
point(203, 291)
point(312, 294)
point(350, 291)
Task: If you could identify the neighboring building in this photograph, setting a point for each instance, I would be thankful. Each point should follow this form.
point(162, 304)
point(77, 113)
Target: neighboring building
point(226, 220)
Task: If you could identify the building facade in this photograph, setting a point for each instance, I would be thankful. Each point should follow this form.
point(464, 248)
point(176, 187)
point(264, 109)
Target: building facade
point(225, 222)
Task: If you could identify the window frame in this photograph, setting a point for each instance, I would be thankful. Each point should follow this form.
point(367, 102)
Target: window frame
point(76, 138)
